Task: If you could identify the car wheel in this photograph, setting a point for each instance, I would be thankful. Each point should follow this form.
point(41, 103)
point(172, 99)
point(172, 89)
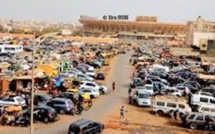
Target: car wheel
point(181, 115)
point(62, 111)
point(160, 112)
point(193, 126)
point(101, 92)
point(92, 96)
point(46, 120)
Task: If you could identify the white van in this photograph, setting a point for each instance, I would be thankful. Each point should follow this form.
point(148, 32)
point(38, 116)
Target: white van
point(166, 104)
point(149, 89)
point(206, 109)
point(201, 99)
point(143, 98)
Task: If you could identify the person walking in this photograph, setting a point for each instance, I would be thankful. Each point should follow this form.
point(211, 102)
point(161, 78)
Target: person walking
point(113, 86)
point(208, 121)
point(122, 112)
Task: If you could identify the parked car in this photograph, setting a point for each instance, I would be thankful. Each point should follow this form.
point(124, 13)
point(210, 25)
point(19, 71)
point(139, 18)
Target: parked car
point(62, 105)
point(41, 99)
point(85, 126)
point(143, 98)
point(165, 105)
point(69, 95)
point(91, 92)
point(100, 76)
point(91, 73)
point(45, 114)
point(93, 85)
point(12, 101)
point(196, 120)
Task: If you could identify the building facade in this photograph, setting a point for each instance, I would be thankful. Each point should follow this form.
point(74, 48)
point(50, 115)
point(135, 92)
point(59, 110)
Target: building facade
point(144, 27)
point(198, 30)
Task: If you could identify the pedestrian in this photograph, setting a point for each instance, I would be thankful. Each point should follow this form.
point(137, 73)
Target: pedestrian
point(134, 99)
point(130, 98)
point(90, 103)
point(175, 114)
point(122, 112)
point(130, 61)
point(208, 121)
point(113, 86)
point(129, 90)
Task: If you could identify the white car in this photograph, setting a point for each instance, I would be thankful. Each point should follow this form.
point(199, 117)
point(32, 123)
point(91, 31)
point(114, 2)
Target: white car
point(92, 92)
point(91, 73)
point(93, 85)
point(13, 101)
point(143, 98)
point(149, 89)
point(84, 77)
point(176, 92)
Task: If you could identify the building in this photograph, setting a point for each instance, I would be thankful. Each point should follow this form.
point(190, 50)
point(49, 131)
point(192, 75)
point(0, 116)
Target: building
point(198, 30)
point(144, 27)
point(207, 45)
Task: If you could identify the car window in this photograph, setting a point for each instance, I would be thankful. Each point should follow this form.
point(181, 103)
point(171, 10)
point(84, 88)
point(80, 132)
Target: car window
point(19, 99)
point(181, 106)
point(173, 105)
point(200, 118)
point(160, 103)
point(212, 101)
point(212, 110)
point(59, 103)
point(205, 109)
point(191, 116)
point(202, 99)
point(144, 96)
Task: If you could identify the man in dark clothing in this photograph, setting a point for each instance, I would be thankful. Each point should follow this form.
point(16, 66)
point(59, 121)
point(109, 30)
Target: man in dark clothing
point(129, 91)
point(175, 114)
point(113, 86)
point(208, 121)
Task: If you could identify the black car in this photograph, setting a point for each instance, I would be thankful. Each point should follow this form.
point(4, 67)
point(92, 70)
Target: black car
point(40, 99)
point(84, 126)
point(69, 95)
point(100, 76)
point(45, 114)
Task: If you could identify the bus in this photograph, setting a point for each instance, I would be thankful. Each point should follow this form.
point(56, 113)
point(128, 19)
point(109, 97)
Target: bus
point(8, 48)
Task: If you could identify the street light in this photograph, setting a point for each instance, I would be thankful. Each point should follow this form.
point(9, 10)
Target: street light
point(40, 39)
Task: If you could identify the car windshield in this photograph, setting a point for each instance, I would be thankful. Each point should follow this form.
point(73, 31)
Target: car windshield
point(19, 99)
point(144, 96)
point(46, 97)
point(51, 110)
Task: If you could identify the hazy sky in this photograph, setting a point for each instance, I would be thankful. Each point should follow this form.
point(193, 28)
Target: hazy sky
point(70, 10)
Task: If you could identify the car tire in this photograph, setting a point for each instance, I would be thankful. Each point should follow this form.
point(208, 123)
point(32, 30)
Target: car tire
point(92, 96)
point(46, 120)
point(101, 91)
point(193, 126)
point(61, 111)
point(160, 112)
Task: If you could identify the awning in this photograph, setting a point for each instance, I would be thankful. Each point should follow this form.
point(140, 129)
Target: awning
point(206, 77)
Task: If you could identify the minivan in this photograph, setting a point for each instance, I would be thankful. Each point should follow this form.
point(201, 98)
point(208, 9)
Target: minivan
point(166, 104)
point(143, 98)
point(85, 126)
point(206, 109)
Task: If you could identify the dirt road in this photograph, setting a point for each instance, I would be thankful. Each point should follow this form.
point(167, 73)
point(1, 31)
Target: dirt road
point(104, 106)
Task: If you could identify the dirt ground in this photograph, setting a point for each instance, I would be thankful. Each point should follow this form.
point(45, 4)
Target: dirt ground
point(139, 120)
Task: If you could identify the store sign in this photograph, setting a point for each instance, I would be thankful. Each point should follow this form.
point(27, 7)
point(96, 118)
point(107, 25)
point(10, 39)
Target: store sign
point(113, 17)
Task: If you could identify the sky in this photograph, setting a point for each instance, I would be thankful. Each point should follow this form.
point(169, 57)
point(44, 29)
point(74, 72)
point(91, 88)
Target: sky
point(70, 10)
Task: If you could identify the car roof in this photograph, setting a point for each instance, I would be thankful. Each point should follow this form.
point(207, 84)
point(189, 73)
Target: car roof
point(81, 122)
point(60, 99)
